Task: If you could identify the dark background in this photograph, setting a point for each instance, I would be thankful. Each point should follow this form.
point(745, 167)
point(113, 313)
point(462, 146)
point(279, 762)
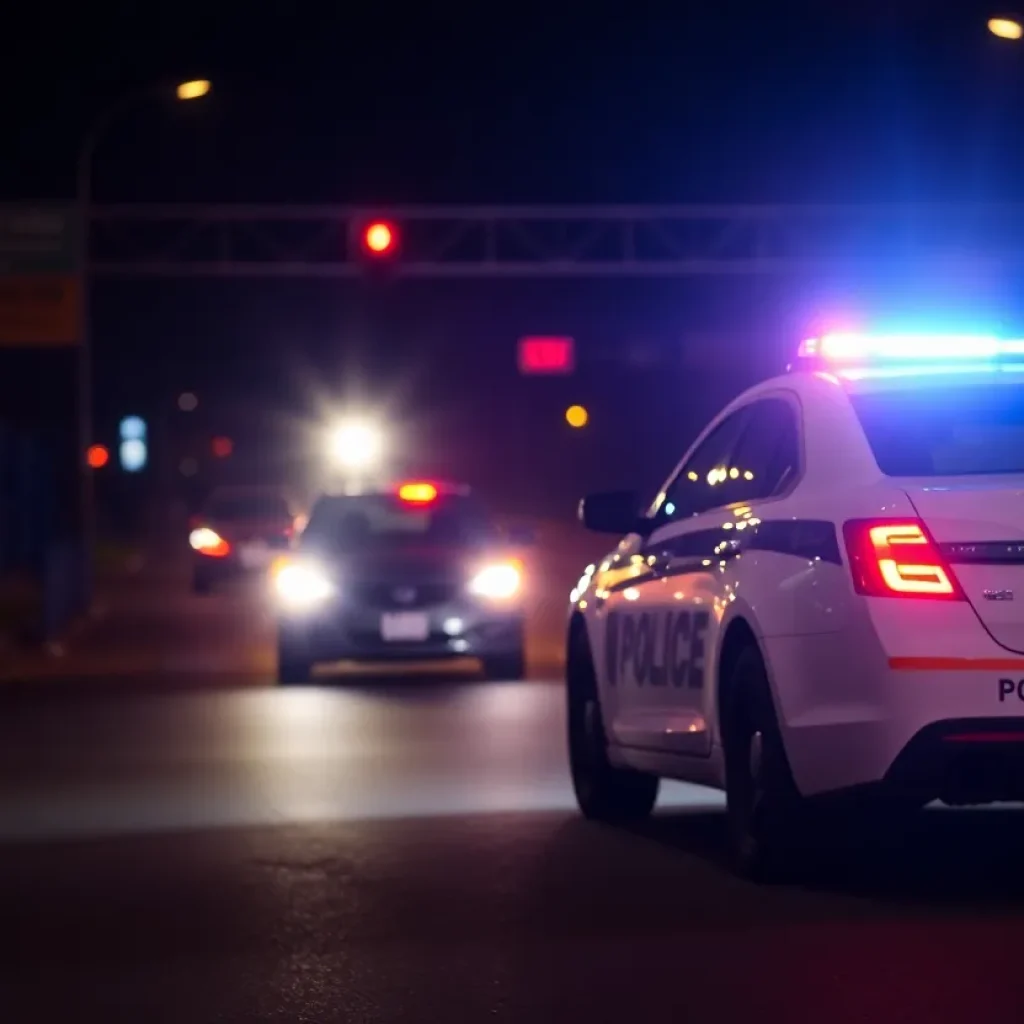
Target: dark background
point(691, 103)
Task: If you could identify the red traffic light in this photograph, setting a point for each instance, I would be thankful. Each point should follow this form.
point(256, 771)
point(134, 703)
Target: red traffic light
point(546, 355)
point(379, 238)
point(97, 456)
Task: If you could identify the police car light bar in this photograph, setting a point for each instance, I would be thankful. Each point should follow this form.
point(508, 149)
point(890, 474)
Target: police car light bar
point(855, 356)
point(862, 348)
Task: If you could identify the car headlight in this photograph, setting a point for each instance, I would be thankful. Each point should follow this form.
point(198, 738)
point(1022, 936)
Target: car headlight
point(302, 585)
point(498, 582)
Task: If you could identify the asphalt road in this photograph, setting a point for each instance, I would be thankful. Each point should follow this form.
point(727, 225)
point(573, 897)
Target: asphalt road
point(193, 844)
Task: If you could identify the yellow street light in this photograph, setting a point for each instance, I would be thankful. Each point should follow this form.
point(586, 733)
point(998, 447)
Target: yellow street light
point(576, 416)
point(1006, 28)
point(193, 90)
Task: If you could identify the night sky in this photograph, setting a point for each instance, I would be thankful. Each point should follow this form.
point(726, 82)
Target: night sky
point(689, 103)
point(720, 101)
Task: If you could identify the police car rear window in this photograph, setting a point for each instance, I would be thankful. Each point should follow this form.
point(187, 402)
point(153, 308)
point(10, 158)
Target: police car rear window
point(375, 520)
point(944, 431)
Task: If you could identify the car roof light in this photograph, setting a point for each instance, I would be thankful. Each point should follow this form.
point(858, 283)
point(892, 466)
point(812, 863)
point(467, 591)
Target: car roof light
point(418, 492)
point(860, 356)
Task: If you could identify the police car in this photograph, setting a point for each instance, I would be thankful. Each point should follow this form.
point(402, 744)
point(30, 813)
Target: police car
point(414, 570)
point(821, 602)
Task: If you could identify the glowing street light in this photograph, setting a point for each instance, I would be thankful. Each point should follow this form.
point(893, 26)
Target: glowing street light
point(577, 416)
point(193, 90)
point(1006, 28)
point(356, 444)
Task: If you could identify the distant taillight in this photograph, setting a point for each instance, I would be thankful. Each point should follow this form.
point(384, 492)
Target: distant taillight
point(898, 558)
point(208, 542)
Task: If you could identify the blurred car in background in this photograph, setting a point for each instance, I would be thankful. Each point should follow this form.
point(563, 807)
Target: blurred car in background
point(416, 570)
point(240, 531)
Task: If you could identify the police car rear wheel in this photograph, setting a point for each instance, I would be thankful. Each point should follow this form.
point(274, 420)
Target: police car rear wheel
point(603, 792)
point(765, 810)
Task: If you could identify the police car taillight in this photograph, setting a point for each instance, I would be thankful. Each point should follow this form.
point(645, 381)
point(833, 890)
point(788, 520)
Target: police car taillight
point(897, 558)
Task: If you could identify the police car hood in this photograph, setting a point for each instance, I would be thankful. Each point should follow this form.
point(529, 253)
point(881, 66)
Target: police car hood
point(412, 563)
point(978, 523)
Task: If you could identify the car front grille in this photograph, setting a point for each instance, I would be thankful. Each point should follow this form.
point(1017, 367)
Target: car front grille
point(399, 596)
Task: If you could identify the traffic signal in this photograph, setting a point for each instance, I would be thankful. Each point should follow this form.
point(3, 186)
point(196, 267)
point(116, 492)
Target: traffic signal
point(97, 456)
point(133, 451)
point(379, 238)
point(546, 355)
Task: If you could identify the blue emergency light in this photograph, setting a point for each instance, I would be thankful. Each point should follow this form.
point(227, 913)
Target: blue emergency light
point(861, 356)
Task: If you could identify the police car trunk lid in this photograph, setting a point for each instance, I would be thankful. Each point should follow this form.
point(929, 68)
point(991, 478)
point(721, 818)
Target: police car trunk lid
point(978, 522)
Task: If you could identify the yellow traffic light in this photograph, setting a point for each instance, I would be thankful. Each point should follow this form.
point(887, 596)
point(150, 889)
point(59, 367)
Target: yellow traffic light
point(576, 416)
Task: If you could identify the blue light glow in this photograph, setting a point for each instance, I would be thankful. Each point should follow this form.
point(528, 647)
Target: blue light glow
point(866, 348)
point(133, 428)
point(133, 455)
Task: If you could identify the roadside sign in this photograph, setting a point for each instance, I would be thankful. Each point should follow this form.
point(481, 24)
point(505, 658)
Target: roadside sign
point(546, 355)
point(40, 289)
point(41, 310)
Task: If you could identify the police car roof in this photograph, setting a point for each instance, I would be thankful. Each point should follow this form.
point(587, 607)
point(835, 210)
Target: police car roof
point(444, 488)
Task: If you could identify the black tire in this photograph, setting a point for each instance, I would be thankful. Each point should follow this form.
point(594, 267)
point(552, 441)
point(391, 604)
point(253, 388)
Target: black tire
point(767, 816)
point(506, 667)
point(294, 666)
point(603, 791)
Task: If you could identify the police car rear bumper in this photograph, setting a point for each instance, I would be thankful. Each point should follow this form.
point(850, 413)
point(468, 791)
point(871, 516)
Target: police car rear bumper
point(929, 728)
point(357, 634)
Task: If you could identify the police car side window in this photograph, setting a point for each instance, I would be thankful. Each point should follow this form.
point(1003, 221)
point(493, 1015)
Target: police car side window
point(703, 482)
point(767, 457)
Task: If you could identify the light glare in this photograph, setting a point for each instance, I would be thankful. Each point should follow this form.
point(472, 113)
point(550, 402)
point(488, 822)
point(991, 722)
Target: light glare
point(1005, 28)
point(302, 586)
point(356, 445)
point(497, 582)
point(193, 90)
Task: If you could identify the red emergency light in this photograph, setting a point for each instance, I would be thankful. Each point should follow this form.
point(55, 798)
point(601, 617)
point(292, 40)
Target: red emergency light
point(540, 355)
point(418, 492)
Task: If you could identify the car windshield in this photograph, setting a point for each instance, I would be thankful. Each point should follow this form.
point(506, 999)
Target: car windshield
point(381, 520)
point(947, 431)
point(248, 506)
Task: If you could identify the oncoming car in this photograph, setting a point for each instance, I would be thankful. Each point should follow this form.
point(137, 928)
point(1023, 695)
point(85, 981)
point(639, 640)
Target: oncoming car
point(820, 603)
point(239, 531)
point(416, 570)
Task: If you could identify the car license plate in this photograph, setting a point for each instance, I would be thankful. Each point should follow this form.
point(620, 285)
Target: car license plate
point(254, 556)
point(408, 626)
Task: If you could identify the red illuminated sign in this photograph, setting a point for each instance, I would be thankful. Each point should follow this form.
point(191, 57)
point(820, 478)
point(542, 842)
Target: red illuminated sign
point(546, 355)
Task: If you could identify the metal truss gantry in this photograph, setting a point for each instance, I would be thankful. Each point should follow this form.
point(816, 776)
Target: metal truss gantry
point(523, 242)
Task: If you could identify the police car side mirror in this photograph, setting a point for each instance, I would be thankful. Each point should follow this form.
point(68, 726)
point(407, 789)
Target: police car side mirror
point(612, 512)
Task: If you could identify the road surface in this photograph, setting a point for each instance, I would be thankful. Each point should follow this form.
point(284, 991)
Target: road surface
point(197, 845)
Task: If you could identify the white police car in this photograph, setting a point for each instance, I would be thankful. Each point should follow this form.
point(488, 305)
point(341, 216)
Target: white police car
point(825, 599)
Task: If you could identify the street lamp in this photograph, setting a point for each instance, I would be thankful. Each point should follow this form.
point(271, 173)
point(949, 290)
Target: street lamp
point(1006, 28)
point(190, 90)
point(195, 89)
